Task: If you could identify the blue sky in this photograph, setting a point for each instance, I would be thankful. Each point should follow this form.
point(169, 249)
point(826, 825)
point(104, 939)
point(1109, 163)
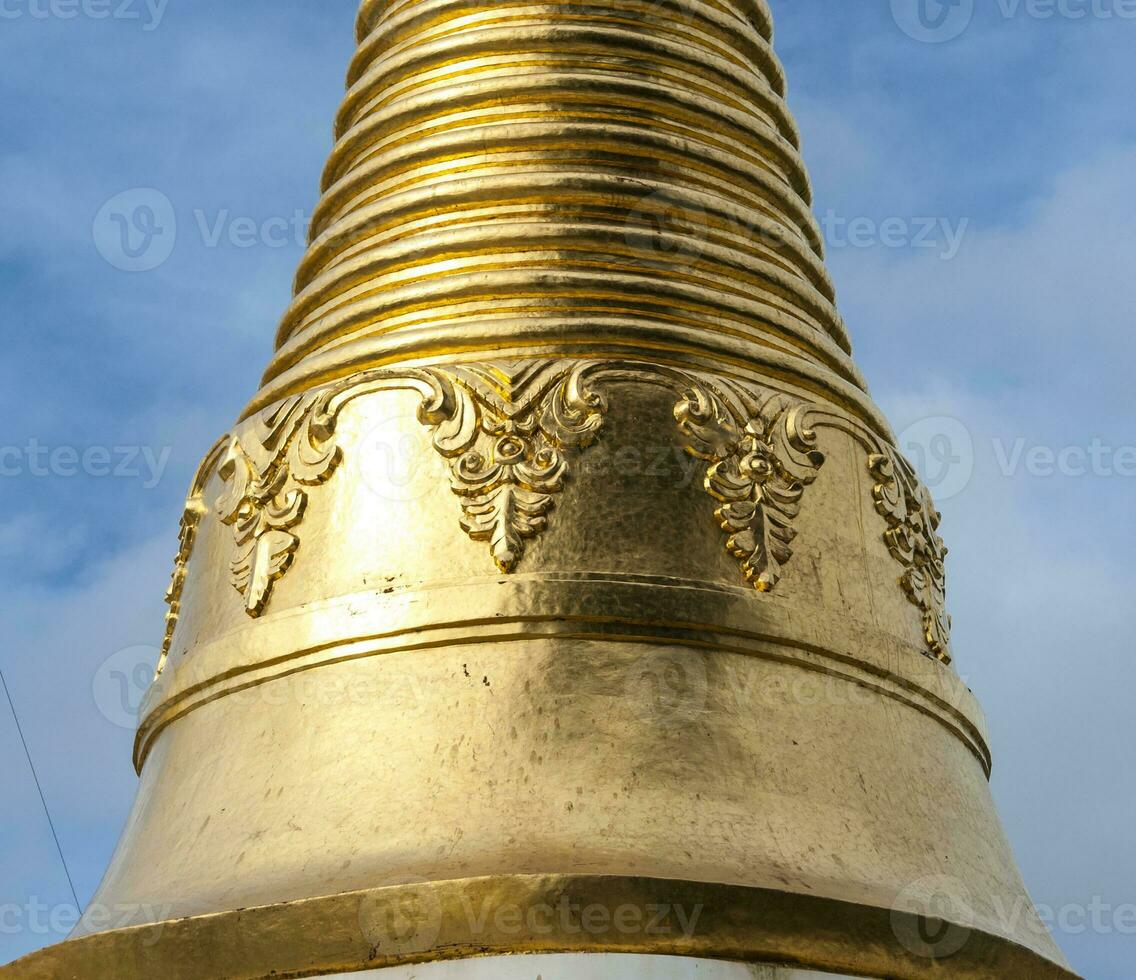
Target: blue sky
point(988, 287)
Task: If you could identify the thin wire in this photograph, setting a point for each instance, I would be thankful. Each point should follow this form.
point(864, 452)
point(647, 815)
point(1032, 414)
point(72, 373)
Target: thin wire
point(39, 788)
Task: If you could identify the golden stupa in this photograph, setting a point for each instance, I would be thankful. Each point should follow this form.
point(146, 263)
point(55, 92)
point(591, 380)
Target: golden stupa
point(561, 590)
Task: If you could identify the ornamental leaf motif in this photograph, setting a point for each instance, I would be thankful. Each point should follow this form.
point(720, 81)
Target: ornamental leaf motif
point(912, 538)
point(267, 466)
point(194, 512)
point(508, 430)
point(762, 458)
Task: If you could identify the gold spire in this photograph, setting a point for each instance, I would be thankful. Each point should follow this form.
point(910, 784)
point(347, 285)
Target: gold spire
point(619, 179)
point(562, 560)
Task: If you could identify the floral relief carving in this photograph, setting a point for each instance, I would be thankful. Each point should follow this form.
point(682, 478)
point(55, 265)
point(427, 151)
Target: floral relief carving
point(913, 540)
point(187, 536)
point(195, 510)
point(763, 457)
point(268, 464)
point(508, 429)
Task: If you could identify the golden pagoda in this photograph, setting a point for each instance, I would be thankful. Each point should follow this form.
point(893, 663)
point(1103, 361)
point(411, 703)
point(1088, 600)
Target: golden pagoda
point(561, 591)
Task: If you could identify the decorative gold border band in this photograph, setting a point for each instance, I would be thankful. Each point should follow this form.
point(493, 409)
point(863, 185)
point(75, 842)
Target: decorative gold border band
point(449, 920)
point(510, 429)
point(560, 606)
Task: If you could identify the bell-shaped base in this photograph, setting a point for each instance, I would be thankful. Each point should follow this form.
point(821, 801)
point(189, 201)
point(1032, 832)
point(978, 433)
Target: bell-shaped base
point(390, 753)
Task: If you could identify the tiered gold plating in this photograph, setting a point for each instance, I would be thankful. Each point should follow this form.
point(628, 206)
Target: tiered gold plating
point(618, 178)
